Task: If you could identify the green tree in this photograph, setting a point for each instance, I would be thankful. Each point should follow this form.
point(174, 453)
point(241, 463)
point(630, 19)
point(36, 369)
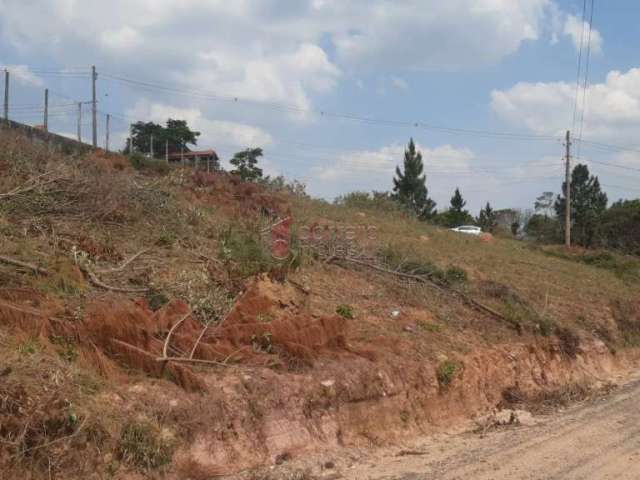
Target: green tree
point(457, 215)
point(487, 218)
point(246, 163)
point(544, 204)
point(621, 227)
point(588, 204)
point(410, 187)
point(174, 135)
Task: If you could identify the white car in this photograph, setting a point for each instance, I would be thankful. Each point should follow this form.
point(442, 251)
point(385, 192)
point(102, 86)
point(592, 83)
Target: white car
point(468, 229)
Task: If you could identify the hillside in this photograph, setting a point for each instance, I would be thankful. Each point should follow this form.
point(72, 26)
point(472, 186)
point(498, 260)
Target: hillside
point(148, 331)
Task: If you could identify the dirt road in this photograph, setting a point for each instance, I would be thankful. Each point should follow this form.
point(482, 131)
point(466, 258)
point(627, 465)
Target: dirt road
point(598, 440)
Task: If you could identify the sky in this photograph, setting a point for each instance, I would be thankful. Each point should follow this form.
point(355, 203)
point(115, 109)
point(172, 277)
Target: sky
point(333, 90)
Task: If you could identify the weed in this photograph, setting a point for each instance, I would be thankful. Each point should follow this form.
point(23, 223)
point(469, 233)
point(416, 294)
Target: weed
point(66, 349)
point(546, 326)
point(29, 347)
point(345, 311)
point(429, 327)
point(166, 239)
point(627, 317)
point(244, 251)
point(569, 341)
point(624, 267)
point(143, 445)
point(454, 275)
point(446, 372)
point(404, 417)
point(156, 299)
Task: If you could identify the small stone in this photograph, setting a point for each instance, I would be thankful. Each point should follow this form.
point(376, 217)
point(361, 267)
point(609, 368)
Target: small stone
point(283, 457)
point(328, 465)
point(328, 383)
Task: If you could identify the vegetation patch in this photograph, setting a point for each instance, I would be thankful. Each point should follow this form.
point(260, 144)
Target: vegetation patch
point(142, 445)
point(625, 267)
point(626, 314)
point(447, 372)
point(569, 341)
point(345, 311)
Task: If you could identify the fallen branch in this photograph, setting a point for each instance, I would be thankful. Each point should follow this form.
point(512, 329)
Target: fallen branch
point(206, 327)
point(99, 283)
point(171, 330)
point(18, 263)
point(419, 278)
point(125, 264)
point(27, 188)
point(425, 279)
point(190, 360)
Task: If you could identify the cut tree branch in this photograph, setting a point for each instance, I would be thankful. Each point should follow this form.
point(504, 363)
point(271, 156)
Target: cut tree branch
point(18, 263)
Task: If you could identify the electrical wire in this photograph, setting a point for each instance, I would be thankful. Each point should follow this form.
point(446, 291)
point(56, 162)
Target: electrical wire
point(586, 76)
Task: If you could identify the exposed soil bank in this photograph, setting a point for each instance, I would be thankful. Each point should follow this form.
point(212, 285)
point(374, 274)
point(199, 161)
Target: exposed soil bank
point(249, 420)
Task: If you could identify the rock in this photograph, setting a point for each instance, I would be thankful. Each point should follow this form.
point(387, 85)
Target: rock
point(524, 418)
point(328, 465)
point(283, 457)
point(409, 328)
point(328, 383)
point(514, 417)
point(395, 313)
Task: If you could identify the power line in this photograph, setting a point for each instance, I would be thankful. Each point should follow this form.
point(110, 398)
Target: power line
point(325, 113)
point(586, 75)
point(575, 104)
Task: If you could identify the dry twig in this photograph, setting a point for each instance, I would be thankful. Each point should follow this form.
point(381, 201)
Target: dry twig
point(125, 263)
point(99, 283)
point(18, 263)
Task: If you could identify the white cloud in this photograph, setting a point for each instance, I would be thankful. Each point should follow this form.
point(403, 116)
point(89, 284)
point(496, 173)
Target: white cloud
point(399, 83)
point(213, 132)
point(578, 30)
point(23, 74)
point(612, 107)
point(122, 39)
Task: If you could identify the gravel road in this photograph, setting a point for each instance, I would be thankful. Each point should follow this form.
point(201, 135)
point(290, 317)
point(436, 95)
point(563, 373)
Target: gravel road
point(596, 440)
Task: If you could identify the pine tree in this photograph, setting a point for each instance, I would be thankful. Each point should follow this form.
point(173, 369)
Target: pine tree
point(487, 218)
point(410, 188)
point(588, 204)
point(457, 215)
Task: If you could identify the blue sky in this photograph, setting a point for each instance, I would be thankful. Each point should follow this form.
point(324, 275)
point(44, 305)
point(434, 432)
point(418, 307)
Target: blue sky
point(485, 65)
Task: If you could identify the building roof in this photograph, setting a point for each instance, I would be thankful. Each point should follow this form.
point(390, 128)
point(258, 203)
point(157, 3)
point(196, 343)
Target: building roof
point(195, 154)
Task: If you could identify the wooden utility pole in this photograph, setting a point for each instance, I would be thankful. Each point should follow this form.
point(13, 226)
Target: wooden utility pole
point(80, 121)
point(567, 194)
point(6, 94)
point(94, 108)
point(182, 153)
point(106, 142)
point(46, 110)
point(151, 146)
point(166, 151)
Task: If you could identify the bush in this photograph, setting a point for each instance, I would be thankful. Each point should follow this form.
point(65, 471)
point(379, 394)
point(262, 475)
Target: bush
point(245, 251)
point(446, 372)
point(379, 201)
point(143, 446)
point(345, 311)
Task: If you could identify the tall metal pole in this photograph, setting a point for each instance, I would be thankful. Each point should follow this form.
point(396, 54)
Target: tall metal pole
point(80, 121)
point(6, 94)
point(567, 214)
point(46, 109)
point(106, 143)
point(166, 151)
point(94, 76)
point(151, 146)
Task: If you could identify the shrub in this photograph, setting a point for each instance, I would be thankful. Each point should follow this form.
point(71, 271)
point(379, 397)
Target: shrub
point(246, 251)
point(446, 372)
point(345, 311)
point(569, 341)
point(455, 275)
point(142, 445)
